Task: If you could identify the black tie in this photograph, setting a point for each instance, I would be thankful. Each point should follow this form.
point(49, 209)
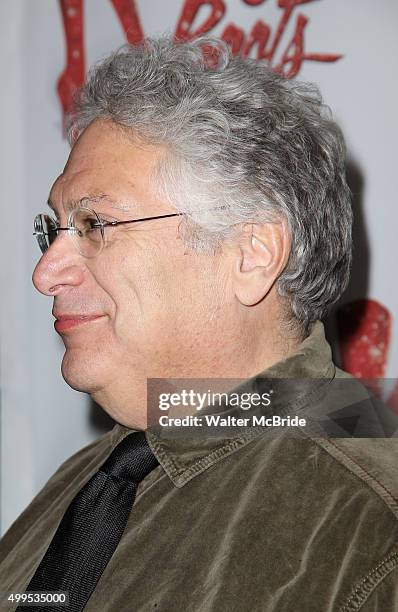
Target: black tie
point(92, 526)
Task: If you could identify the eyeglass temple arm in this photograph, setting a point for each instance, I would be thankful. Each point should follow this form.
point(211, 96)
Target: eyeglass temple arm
point(156, 217)
point(143, 219)
point(113, 223)
point(107, 223)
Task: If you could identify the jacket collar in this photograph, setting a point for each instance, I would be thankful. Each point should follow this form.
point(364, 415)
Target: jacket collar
point(183, 458)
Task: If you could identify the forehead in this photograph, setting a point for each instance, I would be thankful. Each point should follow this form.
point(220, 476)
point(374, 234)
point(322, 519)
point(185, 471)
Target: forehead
point(106, 160)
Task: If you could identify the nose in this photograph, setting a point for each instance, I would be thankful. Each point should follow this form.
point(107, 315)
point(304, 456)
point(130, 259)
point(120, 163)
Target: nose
point(59, 268)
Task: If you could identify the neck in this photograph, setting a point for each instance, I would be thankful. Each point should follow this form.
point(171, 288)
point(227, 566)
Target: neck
point(239, 351)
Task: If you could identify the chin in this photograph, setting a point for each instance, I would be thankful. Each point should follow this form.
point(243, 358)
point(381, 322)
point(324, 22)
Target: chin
point(83, 373)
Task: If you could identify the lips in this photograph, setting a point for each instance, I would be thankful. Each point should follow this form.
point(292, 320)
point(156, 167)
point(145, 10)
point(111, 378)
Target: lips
point(69, 321)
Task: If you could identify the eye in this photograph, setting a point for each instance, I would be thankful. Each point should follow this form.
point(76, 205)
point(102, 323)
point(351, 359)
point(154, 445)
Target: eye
point(93, 223)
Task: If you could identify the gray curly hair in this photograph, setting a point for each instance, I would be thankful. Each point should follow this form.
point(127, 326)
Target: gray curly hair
point(244, 145)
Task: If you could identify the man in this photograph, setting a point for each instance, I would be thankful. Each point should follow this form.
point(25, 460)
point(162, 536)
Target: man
point(202, 230)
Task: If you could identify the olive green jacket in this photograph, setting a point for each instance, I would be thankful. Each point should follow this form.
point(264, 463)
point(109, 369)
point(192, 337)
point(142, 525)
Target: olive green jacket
point(249, 522)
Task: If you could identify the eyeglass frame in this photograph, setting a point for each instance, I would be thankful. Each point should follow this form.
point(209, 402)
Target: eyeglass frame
point(101, 225)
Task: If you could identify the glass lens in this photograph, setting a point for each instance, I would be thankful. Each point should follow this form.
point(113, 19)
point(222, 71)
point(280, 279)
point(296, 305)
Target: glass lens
point(88, 231)
point(45, 230)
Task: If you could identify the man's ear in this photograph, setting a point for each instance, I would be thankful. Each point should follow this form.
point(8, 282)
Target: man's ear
point(261, 256)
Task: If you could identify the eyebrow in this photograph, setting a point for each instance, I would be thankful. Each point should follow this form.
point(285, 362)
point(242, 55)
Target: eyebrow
point(91, 199)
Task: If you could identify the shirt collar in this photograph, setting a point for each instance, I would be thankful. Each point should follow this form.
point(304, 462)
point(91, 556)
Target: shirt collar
point(183, 459)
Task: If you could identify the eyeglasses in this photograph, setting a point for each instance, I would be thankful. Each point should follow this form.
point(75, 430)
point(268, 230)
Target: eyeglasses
point(86, 228)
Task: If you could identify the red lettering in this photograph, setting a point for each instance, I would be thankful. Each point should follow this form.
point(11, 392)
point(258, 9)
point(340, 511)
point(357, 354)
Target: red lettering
point(72, 78)
point(289, 5)
point(189, 12)
point(73, 74)
point(364, 329)
point(254, 2)
point(128, 16)
point(294, 55)
point(234, 36)
point(257, 44)
point(259, 36)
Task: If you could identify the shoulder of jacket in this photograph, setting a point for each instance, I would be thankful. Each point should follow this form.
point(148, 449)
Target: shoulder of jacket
point(373, 460)
point(371, 452)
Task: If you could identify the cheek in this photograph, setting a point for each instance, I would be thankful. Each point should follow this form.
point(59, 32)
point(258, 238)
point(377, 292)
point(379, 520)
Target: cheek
point(139, 287)
point(157, 286)
point(151, 270)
